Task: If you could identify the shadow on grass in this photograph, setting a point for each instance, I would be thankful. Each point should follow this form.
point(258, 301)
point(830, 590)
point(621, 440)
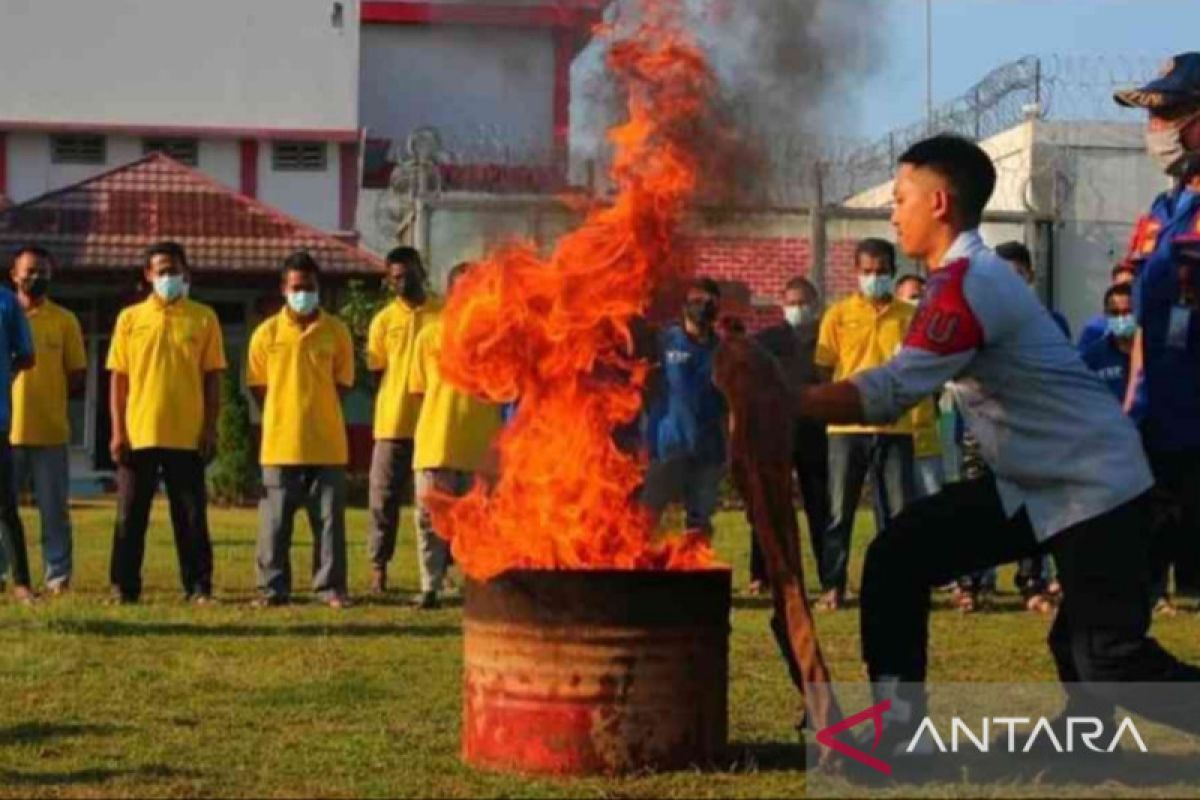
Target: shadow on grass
point(93, 775)
point(119, 628)
point(765, 757)
point(37, 732)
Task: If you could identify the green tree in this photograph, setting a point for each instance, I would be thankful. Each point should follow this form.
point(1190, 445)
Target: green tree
point(360, 304)
point(234, 478)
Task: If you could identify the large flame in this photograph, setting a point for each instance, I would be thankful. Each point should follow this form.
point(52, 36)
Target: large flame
point(555, 335)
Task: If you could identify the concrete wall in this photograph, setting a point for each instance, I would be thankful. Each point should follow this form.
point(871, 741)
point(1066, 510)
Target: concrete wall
point(482, 88)
point(228, 63)
point(309, 196)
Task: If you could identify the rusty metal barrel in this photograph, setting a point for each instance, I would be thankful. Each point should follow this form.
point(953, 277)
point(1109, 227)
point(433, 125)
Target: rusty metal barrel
point(606, 672)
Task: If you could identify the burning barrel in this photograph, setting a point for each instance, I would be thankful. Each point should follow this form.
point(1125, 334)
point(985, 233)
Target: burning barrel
point(579, 672)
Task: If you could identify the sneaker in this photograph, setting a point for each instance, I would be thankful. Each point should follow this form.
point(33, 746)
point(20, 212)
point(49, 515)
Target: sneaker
point(268, 601)
point(378, 581)
point(24, 595)
point(58, 588)
point(427, 601)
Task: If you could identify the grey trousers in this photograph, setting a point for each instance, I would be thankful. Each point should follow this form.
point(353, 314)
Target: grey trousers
point(46, 470)
point(321, 491)
point(391, 485)
point(433, 552)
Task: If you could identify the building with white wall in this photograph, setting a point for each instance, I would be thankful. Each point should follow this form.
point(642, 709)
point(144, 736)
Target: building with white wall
point(260, 95)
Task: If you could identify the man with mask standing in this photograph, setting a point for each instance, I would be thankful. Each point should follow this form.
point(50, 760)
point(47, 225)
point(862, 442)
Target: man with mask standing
point(391, 343)
point(40, 427)
point(166, 360)
point(686, 423)
point(1108, 356)
point(301, 363)
point(794, 344)
point(860, 333)
point(1165, 362)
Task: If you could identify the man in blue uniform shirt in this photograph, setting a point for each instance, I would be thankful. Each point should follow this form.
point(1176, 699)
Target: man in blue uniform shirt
point(686, 430)
point(1123, 274)
point(1165, 365)
point(1108, 356)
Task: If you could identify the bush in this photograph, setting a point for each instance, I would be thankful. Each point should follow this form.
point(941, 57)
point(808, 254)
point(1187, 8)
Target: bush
point(234, 478)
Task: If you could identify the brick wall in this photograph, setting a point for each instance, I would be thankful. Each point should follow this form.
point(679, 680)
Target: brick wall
point(761, 267)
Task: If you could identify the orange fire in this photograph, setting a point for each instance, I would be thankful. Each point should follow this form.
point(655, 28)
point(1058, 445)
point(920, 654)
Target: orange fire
point(555, 336)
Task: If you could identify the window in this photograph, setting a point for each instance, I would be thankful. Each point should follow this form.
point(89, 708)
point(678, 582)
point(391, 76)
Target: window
point(77, 149)
point(298, 156)
point(185, 151)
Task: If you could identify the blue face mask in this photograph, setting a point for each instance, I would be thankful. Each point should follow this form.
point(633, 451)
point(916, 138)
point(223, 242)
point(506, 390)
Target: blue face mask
point(1122, 326)
point(169, 287)
point(303, 303)
point(875, 287)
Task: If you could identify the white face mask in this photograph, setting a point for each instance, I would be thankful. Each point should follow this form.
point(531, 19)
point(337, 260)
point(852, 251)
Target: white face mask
point(1166, 147)
point(798, 315)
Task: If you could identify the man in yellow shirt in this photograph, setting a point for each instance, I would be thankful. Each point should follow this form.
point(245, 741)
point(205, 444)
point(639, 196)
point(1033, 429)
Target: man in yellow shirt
point(40, 427)
point(453, 443)
point(301, 362)
point(166, 359)
point(862, 332)
point(390, 345)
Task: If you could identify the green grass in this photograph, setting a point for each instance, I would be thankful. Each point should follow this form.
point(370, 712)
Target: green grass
point(164, 699)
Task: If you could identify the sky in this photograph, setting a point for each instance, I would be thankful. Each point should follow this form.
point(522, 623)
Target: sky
point(972, 37)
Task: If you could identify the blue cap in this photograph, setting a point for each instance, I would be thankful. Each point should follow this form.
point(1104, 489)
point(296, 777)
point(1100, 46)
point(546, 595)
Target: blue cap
point(1177, 84)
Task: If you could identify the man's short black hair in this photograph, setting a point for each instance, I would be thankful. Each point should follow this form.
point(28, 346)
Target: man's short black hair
point(408, 256)
point(903, 279)
point(963, 165)
point(1016, 253)
point(37, 251)
point(167, 248)
point(801, 284)
point(706, 285)
point(881, 249)
point(1116, 291)
point(301, 261)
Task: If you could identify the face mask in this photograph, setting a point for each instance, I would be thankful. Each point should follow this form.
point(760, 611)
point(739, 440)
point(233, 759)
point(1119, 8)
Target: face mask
point(1166, 147)
point(875, 287)
point(169, 287)
point(798, 315)
point(701, 313)
point(37, 287)
point(303, 303)
point(1122, 326)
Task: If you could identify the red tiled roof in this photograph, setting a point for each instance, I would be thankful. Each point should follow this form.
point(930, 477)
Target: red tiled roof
point(106, 222)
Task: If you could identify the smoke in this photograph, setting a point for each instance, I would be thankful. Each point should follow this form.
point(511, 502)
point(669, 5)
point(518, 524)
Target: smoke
point(789, 72)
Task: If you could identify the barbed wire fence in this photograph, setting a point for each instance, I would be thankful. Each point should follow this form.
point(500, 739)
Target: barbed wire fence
point(806, 167)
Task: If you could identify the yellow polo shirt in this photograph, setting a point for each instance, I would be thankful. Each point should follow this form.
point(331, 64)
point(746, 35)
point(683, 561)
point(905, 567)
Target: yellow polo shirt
point(855, 337)
point(301, 370)
point(166, 349)
point(390, 345)
point(39, 395)
point(454, 429)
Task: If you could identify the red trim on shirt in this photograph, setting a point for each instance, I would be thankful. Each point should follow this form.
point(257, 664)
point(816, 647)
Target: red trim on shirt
point(945, 323)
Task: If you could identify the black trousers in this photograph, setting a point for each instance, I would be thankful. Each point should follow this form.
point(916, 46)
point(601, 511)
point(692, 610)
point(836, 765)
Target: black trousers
point(1104, 565)
point(11, 530)
point(183, 473)
point(1176, 521)
point(810, 460)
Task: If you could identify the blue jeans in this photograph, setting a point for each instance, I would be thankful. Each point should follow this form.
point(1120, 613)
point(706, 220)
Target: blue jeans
point(888, 459)
point(45, 470)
